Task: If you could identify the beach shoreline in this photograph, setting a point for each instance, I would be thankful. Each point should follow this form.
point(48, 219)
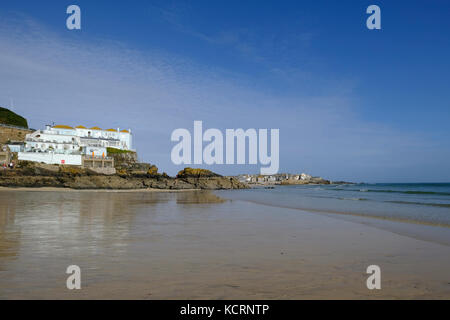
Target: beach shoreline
point(62, 189)
point(186, 245)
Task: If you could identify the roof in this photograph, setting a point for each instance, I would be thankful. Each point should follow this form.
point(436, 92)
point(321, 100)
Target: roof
point(62, 126)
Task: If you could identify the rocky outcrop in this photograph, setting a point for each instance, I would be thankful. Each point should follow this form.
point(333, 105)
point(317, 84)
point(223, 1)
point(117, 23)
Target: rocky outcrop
point(40, 175)
point(122, 159)
point(9, 134)
point(196, 173)
point(214, 183)
point(206, 179)
point(310, 180)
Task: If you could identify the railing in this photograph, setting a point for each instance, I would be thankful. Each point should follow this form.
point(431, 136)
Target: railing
point(90, 157)
point(55, 151)
point(48, 141)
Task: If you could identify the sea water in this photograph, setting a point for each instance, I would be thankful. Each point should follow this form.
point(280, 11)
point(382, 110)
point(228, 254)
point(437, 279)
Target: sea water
point(425, 203)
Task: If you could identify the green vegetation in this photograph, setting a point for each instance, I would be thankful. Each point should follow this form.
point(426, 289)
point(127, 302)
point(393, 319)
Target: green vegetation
point(117, 151)
point(72, 170)
point(11, 118)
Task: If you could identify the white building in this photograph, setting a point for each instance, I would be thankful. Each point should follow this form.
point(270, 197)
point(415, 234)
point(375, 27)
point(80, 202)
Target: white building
point(15, 146)
point(305, 176)
point(63, 144)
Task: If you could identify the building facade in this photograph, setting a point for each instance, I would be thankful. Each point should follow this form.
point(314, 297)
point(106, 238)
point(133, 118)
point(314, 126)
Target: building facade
point(61, 144)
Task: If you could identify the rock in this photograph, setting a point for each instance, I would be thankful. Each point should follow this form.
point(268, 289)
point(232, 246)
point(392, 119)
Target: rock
point(30, 174)
point(319, 180)
point(196, 173)
point(214, 183)
point(312, 180)
point(153, 171)
point(122, 158)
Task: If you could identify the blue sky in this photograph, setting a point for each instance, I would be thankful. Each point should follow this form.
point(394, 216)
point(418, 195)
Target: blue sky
point(350, 103)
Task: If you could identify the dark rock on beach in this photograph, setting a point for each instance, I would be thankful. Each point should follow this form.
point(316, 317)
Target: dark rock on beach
point(138, 176)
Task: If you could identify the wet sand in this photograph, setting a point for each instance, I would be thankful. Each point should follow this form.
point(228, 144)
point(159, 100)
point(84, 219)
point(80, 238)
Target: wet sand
point(54, 189)
point(194, 245)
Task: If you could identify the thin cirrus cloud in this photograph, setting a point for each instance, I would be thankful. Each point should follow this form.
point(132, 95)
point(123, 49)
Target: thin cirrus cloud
point(109, 84)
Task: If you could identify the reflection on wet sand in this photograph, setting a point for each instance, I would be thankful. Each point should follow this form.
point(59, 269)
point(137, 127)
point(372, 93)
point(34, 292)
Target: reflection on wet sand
point(198, 197)
point(40, 228)
point(79, 214)
point(151, 245)
point(9, 239)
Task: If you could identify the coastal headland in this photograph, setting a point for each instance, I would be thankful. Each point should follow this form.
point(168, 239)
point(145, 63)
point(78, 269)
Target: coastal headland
point(62, 156)
point(284, 179)
point(143, 176)
point(78, 157)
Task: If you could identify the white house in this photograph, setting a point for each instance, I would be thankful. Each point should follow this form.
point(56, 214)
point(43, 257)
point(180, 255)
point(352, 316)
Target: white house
point(61, 144)
point(305, 176)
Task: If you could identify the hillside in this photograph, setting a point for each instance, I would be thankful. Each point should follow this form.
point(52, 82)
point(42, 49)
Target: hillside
point(11, 118)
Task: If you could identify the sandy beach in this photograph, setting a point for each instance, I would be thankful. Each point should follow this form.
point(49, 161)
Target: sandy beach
point(194, 245)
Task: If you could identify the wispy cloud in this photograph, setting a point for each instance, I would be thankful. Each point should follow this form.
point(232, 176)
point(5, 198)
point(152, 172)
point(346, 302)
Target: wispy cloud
point(74, 81)
point(259, 46)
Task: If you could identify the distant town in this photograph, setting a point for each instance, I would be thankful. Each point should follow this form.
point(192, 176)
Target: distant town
point(283, 179)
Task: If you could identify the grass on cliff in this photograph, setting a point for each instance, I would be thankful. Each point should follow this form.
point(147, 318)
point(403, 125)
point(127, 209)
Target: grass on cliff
point(11, 118)
point(117, 151)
